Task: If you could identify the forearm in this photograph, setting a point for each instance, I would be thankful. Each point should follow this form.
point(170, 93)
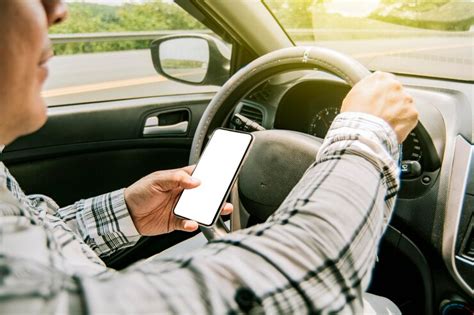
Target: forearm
point(325, 236)
point(103, 222)
point(315, 253)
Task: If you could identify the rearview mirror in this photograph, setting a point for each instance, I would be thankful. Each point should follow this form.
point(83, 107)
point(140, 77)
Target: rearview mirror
point(193, 59)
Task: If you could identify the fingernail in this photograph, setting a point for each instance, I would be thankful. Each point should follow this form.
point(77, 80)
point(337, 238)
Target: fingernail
point(194, 180)
point(189, 224)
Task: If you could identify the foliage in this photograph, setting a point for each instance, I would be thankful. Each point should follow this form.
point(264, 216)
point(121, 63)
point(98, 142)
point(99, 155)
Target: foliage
point(92, 18)
point(293, 14)
point(157, 15)
point(182, 64)
point(450, 15)
point(424, 14)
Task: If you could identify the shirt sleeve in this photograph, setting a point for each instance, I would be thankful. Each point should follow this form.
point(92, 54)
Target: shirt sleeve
point(314, 255)
point(103, 222)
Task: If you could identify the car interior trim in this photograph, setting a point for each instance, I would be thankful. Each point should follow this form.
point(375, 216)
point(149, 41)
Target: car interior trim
point(232, 12)
point(456, 194)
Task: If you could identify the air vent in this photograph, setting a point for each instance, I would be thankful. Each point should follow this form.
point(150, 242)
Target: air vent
point(252, 113)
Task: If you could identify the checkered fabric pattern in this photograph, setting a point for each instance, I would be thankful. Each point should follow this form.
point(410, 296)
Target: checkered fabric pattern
point(313, 255)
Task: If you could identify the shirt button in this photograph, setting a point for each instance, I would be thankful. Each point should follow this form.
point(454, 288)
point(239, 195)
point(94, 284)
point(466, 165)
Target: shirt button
point(246, 299)
point(4, 272)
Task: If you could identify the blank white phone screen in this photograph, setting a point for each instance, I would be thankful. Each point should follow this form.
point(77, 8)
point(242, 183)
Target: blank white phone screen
point(216, 170)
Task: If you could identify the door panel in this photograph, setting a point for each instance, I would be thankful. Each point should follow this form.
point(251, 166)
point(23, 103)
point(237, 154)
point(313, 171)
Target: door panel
point(104, 122)
point(90, 149)
point(85, 150)
point(69, 178)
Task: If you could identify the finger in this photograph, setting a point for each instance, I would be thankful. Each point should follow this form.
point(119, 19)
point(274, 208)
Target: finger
point(228, 208)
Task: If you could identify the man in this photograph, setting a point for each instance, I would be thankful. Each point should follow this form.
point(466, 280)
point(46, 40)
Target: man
point(314, 255)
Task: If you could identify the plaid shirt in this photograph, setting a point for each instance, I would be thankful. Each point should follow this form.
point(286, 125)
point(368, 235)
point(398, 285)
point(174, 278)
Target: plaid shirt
point(313, 255)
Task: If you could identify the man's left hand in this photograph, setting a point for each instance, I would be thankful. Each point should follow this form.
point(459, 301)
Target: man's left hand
point(151, 201)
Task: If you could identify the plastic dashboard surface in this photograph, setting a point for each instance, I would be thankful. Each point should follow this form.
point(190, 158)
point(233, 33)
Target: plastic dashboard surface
point(307, 103)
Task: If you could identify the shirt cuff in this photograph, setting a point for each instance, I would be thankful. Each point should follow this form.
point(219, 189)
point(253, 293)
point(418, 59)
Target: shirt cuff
point(369, 137)
point(352, 125)
point(105, 223)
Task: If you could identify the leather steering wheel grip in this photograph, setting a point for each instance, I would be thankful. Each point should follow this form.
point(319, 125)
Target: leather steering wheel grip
point(259, 70)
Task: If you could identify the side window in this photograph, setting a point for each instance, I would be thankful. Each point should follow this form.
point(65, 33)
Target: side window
point(102, 52)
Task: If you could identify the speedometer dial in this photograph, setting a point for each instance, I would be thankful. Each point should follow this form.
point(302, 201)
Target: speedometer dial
point(321, 122)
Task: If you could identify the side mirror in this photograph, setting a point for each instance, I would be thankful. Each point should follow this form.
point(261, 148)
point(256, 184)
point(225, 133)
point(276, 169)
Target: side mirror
point(193, 59)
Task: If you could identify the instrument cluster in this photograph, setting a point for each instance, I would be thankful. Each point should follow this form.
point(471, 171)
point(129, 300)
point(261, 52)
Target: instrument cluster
point(323, 118)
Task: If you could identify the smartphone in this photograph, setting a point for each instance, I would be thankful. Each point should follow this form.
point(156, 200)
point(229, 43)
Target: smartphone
point(217, 170)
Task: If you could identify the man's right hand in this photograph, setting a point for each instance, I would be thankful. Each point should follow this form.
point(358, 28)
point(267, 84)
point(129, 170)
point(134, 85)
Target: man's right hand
point(381, 95)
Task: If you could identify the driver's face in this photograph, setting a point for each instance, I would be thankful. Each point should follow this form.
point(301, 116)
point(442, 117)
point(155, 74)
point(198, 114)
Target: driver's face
point(24, 52)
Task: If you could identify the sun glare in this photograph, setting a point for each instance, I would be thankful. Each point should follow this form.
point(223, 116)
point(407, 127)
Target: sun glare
point(358, 8)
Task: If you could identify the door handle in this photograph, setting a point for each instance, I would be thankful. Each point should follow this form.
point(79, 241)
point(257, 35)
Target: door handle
point(178, 128)
point(173, 122)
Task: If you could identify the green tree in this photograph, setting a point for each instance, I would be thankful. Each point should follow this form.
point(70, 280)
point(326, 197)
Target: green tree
point(155, 15)
point(291, 13)
point(92, 18)
point(431, 14)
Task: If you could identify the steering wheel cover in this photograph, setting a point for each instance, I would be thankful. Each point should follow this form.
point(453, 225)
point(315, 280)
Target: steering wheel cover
point(254, 73)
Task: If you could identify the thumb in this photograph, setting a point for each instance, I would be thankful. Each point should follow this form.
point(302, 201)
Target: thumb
point(189, 182)
point(177, 179)
point(187, 225)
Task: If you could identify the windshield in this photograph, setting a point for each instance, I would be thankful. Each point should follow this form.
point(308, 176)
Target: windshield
point(421, 37)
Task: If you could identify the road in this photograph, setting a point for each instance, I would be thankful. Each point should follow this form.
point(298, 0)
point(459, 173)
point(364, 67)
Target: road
point(129, 74)
point(450, 57)
point(105, 76)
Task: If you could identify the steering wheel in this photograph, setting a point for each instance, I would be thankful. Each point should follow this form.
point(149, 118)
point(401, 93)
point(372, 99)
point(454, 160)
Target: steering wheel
point(278, 158)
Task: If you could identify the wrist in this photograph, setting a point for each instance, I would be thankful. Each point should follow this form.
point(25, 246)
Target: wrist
point(365, 126)
point(130, 205)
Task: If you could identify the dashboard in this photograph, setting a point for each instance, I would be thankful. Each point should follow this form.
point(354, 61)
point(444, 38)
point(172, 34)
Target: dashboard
point(309, 102)
point(310, 108)
point(309, 105)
